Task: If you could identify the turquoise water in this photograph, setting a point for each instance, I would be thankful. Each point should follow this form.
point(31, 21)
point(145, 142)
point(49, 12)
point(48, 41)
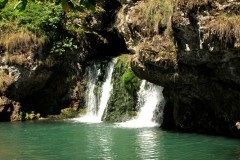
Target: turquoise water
point(67, 140)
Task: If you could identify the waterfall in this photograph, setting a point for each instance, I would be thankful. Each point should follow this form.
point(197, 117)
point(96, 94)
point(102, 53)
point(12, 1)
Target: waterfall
point(200, 37)
point(150, 101)
point(97, 102)
point(106, 89)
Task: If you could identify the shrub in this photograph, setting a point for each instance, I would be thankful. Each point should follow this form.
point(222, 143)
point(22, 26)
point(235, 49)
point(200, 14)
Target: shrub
point(21, 42)
point(130, 81)
point(37, 21)
point(127, 77)
point(226, 28)
point(155, 14)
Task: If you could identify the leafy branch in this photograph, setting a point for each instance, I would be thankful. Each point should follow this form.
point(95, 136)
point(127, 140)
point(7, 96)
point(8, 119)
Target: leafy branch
point(67, 5)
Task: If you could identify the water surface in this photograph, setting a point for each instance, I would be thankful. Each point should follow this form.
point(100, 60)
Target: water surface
point(68, 140)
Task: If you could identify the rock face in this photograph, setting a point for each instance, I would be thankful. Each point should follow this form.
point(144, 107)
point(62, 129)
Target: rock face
point(9, 110)
point(191, 48)
point(123, 100)
point(46, 78)
point(195, 56)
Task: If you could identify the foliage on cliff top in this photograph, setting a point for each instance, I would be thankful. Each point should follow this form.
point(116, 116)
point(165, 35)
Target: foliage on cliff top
point(189, 4)
point(66, 4)
point(22, 41)
point(39, 18)
point(226, 27)
point(21, 32)
point(157, 13)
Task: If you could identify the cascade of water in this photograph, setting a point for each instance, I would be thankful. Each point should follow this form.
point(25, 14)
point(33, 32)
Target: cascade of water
point(96, 105)
point(92, 98)
point(106, 90)
point(150, 98)
point(200, 38)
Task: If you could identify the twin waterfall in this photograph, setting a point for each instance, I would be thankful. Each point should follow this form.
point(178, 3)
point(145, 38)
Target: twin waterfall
point(150, 99)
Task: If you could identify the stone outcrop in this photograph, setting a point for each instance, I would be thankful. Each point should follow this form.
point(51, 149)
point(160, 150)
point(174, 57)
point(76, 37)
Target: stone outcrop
point(9, 110)
point(122, 104)
point(195, 57)
point(46, 78)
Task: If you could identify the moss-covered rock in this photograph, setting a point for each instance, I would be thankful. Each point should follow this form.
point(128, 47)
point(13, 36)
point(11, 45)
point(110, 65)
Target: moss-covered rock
point(122, 103)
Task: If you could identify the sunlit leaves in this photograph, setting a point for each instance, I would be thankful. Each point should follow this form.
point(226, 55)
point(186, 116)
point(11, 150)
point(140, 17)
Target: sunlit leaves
point(3, 3)
point(21, 5)
point(67, 5)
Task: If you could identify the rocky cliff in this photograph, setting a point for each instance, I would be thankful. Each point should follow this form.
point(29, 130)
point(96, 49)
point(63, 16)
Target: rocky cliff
point(45, 75)
point(192, 49)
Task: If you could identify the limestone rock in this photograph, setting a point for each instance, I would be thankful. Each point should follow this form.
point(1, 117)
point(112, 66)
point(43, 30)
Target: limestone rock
point(195, 58)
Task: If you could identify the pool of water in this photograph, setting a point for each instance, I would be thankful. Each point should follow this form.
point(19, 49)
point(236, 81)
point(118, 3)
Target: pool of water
point(68, 140)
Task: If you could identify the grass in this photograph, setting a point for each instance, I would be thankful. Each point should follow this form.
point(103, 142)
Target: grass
point(34, 18)
point(189, 4)
point(158, 12)
point(25, 31)
point(154, 15)
point(15, 59)
point(21, 42)
point(20, 46)
point(41, 24)
point(226, 28)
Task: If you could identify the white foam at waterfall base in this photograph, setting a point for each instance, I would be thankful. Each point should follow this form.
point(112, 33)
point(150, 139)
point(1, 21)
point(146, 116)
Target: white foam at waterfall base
point(149, 99)
point(96, 105)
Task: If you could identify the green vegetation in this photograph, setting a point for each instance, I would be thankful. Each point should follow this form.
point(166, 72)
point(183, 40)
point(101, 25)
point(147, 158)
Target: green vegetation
point(41, 25)
point(130, 81)
point(38, 18)
point(22, 116)
point(23, 33)
point(60, 47)
point(39, 35)
point(128, 78)
point(81, 5)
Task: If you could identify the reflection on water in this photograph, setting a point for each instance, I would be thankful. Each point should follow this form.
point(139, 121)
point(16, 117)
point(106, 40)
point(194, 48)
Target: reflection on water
point(99, 143)
point(105, 142)
point(147, 141)
point(69, 140)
